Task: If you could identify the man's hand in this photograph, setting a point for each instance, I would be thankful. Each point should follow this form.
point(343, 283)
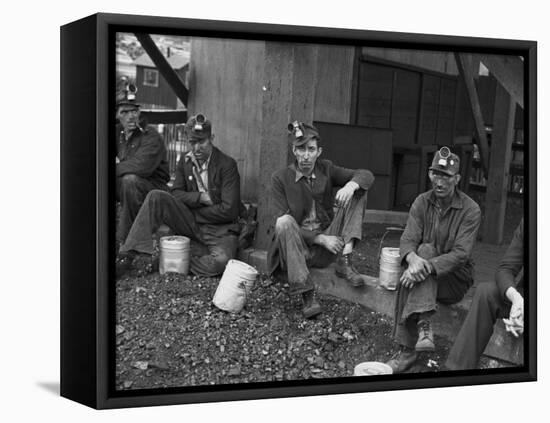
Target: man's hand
point(117, 160)
point(419, 268)
point(514, 323)
point(345, 194)
point(205, 199)
point(332, 243)
point(406, 279)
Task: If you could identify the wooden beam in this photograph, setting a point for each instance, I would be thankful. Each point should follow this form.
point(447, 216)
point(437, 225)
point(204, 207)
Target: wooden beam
point(163, 66)
point(465, 68)
point(499, 166)
point(508, 70)
point(164, 116)
point(288, 94)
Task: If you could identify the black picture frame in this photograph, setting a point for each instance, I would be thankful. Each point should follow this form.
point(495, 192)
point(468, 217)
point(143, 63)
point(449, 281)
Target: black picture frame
point(87, 336)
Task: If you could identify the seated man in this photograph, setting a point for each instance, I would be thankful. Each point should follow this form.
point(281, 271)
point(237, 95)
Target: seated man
point(307, 232)
point(203, 205)
point(492, 300)
point(436, 247)
point(141, 159)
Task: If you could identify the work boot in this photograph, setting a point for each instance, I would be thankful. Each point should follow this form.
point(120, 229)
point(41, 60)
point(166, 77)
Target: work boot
point(404, 361)
point(123, 264)
point(425, 336)
point(311, 306)
point(345, 270)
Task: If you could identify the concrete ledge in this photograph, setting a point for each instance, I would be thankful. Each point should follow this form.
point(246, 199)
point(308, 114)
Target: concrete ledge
point(386, 217)
point(447, 322)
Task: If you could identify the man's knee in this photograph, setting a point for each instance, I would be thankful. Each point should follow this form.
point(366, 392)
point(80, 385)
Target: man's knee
point(157, 196)
point(426, 251)
point(487, 290)
point(129, 180)
point(285, 223)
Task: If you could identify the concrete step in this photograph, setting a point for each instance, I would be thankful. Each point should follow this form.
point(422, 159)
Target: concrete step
point(447, 321)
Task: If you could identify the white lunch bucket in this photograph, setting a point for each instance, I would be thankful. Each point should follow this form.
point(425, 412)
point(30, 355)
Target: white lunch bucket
point(235, 285)
point(174, 254)
point(372, 368)
point(390, 268)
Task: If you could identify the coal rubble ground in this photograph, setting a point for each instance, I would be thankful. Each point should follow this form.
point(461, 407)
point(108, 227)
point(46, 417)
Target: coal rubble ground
point(169, 334)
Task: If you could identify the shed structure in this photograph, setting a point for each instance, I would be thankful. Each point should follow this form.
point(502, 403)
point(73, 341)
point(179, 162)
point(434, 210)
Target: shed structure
point(385, 110)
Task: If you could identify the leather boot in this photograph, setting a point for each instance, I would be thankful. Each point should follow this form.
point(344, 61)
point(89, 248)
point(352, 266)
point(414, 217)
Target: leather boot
point(123, 263)
point(311, 306)
point(425, 335)
point(405, 360)
point(345, 270)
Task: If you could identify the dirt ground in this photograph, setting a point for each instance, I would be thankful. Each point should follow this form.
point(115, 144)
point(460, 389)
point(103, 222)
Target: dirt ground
point(169, 334)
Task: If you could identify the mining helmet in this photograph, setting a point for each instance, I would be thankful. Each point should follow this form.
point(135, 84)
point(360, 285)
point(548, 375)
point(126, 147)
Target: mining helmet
point(126, 93)
point(445, 162)
point(300, 133)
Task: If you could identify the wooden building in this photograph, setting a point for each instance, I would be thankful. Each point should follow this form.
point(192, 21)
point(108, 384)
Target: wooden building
point(154, 92)
point(380, 109)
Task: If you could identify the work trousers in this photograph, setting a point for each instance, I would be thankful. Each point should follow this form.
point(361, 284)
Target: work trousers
point(424, 296)
point(212, 246)
point(296, 257)
point(476, 331)
point(131, 191)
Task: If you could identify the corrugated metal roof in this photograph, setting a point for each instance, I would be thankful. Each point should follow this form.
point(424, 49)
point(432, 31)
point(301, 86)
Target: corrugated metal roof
point(177, 61)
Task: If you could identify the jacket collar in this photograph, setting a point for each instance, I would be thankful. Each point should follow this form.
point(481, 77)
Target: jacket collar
point(298, 173)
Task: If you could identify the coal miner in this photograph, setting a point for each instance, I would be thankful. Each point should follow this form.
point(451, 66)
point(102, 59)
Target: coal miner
point(203, 205)
point(307, 232)
point(141, 158)
point(501, 298)
point(436, 249)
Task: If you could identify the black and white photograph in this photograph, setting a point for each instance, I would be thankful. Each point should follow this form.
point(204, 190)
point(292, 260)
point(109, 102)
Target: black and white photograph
point(275, 211)
point(291, 211)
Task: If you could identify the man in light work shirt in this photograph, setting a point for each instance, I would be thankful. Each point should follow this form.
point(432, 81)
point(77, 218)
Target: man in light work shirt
point(492, 300)
point(306, 231)
point(203, 205)
point(436, 248)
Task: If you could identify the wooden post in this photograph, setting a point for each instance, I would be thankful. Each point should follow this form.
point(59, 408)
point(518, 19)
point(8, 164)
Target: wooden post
point(465, 67)
point(289, 78)
point(499, 166)
point(508, 70)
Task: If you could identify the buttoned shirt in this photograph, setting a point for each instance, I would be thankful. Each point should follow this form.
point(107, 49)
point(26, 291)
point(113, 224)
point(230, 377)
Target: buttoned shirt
point(452, 231)
point(311, 222)
point(200, 171)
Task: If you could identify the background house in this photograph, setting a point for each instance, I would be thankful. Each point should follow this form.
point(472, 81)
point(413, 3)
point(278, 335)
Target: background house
point(153, 90)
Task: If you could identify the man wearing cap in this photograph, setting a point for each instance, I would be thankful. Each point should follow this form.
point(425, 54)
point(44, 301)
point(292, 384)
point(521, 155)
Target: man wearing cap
point(499, 299)
point(141, 159)
point(203, 205)
point(436, 249)
point(307, 232)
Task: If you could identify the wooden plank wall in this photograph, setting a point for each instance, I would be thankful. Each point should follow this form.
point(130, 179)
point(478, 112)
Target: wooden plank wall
point(437, 61)
point(226, 84)
point(333, 85)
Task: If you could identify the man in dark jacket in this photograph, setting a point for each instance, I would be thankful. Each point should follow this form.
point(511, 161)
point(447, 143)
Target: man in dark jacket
point(203, 205)
point(307, 232)
point(492, 300)
point(436, 248)
point(141, 159)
